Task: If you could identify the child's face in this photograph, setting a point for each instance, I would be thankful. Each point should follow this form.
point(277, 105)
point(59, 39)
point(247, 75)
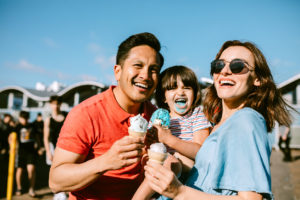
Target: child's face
point(179, 99)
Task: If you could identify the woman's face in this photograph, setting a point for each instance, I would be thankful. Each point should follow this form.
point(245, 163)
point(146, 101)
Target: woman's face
point(230, 87)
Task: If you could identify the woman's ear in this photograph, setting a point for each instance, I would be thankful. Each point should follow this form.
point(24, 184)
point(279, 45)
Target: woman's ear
point(256, 82)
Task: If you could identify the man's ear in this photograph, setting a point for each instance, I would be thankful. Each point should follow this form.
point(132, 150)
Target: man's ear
point(256, 82)
point(117, 71)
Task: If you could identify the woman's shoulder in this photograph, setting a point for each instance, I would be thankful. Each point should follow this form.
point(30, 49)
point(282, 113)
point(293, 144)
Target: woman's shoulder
point(249, 114)
point(248, 120)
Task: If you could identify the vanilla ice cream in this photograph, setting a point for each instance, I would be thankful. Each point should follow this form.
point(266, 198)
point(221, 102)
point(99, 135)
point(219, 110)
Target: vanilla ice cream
point(138, 126)
point(157, 153)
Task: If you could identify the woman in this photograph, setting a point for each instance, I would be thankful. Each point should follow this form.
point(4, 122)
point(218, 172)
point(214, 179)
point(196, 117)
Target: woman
point(234, 161)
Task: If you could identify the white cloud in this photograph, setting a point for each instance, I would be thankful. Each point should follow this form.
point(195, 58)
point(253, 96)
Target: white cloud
point(281, 63)
point(93, 47)
point(182, 60)
point(50, 42)
point(86, 77)
point(27, 66)
point(105, 62)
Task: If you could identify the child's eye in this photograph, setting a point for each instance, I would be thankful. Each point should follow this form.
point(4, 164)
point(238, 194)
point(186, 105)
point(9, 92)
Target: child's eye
point(172, 88)
point(187, 87)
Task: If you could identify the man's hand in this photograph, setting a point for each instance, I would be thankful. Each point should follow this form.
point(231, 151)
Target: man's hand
point(124, 152)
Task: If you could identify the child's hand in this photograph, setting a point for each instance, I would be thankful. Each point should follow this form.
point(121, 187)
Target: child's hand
point(151, 137)
point(162, 133)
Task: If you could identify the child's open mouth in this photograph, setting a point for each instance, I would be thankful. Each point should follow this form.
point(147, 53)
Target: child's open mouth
point(181, 103)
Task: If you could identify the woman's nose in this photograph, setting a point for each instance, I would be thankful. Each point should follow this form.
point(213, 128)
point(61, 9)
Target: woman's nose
point(226, 69)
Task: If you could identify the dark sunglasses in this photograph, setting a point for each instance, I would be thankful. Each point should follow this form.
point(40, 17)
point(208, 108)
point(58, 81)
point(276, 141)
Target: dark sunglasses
point(237, 66)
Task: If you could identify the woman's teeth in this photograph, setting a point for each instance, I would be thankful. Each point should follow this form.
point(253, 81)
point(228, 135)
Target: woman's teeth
point(226, 82)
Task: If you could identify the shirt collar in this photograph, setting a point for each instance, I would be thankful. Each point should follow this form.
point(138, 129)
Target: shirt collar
point(120, 114)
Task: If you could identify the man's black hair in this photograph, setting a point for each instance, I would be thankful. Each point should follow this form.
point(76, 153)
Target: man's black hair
point(137, 40)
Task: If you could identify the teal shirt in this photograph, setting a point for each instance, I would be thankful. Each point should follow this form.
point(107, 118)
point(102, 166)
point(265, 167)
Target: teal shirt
point(235, 157)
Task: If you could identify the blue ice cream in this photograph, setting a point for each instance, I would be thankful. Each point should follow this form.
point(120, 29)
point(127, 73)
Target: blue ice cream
point(161, 116)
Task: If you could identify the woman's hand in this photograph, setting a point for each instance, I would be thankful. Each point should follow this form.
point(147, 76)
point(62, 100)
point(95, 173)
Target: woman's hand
point(162, 180)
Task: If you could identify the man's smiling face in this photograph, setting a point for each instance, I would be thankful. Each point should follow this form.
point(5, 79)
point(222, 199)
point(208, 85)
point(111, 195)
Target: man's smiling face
point(138, 75)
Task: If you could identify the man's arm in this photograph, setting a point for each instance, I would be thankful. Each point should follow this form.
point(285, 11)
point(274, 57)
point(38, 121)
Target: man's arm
point(70, 171)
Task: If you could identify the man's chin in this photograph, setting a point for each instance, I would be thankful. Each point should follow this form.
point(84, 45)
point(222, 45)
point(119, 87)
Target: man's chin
point(141, 98)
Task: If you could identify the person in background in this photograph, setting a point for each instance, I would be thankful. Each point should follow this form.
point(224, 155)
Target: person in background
point(234, 161)
point(38, 125)
point(26, 152)
point(6, 128)
point(285, 137)
point(95, 157)
point(52, 127)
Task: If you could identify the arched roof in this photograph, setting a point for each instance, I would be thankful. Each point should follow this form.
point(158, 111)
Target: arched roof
point(45, 95)
point(84, 83)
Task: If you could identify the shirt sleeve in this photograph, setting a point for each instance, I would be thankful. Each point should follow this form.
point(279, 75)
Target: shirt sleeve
point(243, 155)
point(199, 120)
point(77, 132)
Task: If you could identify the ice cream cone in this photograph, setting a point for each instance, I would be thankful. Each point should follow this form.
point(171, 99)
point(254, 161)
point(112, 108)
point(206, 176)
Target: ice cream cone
point(136, 134)
point(157, 156)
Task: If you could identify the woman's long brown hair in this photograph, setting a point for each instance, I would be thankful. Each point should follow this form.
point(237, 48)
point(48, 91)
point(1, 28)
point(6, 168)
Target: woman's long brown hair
point(265, 99)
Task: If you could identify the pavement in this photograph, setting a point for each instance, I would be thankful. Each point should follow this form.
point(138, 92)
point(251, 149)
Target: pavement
point(285, 179)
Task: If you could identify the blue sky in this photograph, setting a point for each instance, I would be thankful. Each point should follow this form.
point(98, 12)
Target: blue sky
point(71, 41)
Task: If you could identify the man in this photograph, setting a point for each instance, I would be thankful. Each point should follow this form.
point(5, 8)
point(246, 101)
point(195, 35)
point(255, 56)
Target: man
point(38, 125)
point(95, 158)
point(26, 154)
point(52, 127)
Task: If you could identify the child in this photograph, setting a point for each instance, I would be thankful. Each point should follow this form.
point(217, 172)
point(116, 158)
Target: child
point(178, 91)
point(27, 154)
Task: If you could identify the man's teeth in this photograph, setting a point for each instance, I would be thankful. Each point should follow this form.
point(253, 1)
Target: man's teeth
point(141, 85)
point(226, 82)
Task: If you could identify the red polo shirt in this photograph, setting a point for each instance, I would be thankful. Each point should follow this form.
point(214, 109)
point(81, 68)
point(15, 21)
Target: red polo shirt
point(90, 129)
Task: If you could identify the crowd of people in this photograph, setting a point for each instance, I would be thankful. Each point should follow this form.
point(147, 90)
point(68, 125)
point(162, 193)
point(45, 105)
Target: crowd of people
point(35, 140)
point(218, 148)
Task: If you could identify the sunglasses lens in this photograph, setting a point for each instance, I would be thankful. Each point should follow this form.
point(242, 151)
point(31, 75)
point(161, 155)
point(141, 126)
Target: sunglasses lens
point(237, 66)
point(217, 66)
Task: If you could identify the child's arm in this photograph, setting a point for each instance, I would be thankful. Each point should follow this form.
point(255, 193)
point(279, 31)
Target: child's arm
point(144, 192)
point(186, 148)
point(200, 135)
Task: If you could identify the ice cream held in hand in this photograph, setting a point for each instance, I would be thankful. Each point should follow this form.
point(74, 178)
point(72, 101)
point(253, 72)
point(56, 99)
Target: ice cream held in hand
point(138, 126)
point(161, 117)
point(157, 153)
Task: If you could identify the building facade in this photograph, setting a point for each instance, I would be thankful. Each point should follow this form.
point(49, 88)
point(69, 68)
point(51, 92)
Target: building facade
point(15, 98)
point(290, 90)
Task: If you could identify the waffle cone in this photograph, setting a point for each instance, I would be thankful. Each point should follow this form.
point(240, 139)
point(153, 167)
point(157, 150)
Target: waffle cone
point(136, 134)
point(157, 157)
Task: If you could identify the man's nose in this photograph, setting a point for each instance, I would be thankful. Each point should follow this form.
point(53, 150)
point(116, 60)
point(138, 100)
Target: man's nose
point(144, 73)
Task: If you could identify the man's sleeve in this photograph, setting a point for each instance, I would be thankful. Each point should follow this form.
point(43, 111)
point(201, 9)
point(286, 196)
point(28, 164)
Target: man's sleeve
point(76, 134)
